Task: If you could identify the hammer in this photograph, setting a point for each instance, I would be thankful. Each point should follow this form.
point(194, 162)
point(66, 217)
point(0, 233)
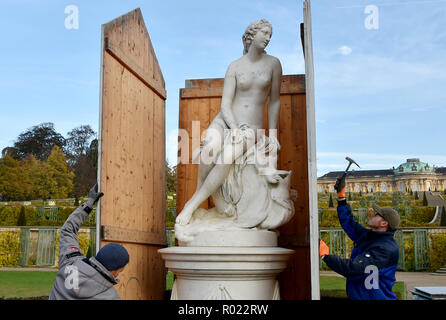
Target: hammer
point(350, 161)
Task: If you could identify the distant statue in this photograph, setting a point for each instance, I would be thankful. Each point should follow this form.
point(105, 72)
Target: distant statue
point(246, 192)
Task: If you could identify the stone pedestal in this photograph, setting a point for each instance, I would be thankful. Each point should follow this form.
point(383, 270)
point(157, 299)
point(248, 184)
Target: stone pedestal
point(224, 265)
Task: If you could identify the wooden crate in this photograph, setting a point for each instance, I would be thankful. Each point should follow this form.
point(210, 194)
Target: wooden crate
point(200, 101)
point(132, 154)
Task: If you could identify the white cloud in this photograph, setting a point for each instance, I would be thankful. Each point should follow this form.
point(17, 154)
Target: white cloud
point(345, 50)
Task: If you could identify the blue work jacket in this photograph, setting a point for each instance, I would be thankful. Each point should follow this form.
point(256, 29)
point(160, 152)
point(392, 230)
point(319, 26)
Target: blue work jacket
point(370, 271)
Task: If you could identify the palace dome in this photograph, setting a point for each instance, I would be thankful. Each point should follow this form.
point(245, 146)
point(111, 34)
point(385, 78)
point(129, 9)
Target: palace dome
point(412, 166)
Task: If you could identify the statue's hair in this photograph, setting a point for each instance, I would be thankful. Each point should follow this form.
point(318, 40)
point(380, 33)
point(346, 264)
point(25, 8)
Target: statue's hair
point(251, 31)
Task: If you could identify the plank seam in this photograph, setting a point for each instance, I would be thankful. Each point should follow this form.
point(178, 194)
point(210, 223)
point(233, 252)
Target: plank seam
point(134, 68)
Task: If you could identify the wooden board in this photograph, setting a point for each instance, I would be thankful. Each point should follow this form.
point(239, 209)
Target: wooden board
point(132, 154)
point(200, 101)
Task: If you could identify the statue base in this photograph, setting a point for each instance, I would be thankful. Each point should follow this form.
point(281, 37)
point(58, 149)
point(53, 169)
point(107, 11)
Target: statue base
point(222, 271)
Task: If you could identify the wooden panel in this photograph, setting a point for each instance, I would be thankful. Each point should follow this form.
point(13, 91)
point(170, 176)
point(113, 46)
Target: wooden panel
point(132, 236)
point(132, 154)
point(200, 100)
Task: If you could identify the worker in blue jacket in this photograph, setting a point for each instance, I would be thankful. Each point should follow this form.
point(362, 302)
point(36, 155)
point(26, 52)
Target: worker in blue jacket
point(370, 271)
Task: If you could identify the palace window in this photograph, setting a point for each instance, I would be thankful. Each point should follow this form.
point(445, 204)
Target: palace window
point(384, 187)
point(402, 187)
point(415, 186)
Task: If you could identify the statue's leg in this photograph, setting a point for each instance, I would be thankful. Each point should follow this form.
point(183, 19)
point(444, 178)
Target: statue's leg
point(214, 180)
point(212, 145)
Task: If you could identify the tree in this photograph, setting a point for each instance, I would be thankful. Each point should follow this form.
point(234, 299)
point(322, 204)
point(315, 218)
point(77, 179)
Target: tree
point(78, 142)
point(41, 177)
point(85, 169)
point(85, 176)
point(92, 154)
point(424, 199)
point(13, 179)
point(21, 221)
point(61, 174)
point(171, 178)
point(38, 141)
point(330, 202)
point(11, 151)
point(443, 217)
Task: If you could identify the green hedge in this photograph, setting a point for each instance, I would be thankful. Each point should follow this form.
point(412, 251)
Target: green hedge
point(9, 248)
point(422, 214)
point(329, 219)
point(9, 216)
point(438, 251)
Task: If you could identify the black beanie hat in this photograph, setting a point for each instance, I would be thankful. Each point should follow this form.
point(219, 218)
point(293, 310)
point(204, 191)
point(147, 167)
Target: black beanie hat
point(113, 256)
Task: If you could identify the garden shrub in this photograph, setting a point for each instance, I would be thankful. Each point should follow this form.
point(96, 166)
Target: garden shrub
point(322, 204)
point(330, 219)
point(84, 243)
point(409, 254)
point(9, 248)
point(354, 204)
point(437, 251)
point(422, 214)
point(9, 216)
point(405, 223)
point(21, 221)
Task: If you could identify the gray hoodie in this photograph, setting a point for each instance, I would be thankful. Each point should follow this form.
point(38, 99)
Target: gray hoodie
point(79, 277)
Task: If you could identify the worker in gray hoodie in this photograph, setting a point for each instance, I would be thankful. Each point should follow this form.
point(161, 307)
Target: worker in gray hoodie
point(86, 278)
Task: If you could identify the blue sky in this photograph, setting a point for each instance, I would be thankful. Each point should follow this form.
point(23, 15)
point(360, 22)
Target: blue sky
point(380, 93)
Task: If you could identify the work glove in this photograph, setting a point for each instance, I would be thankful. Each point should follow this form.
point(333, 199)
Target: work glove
point(323, 249)
point(340, 187)
point(93, 196)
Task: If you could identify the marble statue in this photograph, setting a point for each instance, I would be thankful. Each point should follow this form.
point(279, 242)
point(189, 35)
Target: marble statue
point(237, 160)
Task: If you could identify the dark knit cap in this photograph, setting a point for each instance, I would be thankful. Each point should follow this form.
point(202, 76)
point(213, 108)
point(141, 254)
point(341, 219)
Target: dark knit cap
point(113, 256)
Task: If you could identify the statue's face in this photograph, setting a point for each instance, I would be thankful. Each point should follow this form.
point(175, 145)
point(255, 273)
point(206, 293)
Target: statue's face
point(262, 38)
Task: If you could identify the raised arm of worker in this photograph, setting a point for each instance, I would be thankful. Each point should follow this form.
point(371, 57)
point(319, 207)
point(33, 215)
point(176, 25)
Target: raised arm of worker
point(68, 239)
point(353, 229)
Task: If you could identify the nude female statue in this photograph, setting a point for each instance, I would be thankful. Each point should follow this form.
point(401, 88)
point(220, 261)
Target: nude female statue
point(248, 82)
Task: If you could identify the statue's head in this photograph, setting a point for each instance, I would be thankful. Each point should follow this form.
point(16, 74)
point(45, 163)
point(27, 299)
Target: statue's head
point(251, 31)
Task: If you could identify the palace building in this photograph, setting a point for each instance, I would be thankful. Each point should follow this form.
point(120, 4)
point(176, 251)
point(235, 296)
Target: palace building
point(412, 175)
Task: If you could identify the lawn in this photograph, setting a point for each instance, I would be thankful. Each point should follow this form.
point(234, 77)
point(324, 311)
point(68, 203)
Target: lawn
point(334, 287)
point(26, 284)
point(38, 284)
